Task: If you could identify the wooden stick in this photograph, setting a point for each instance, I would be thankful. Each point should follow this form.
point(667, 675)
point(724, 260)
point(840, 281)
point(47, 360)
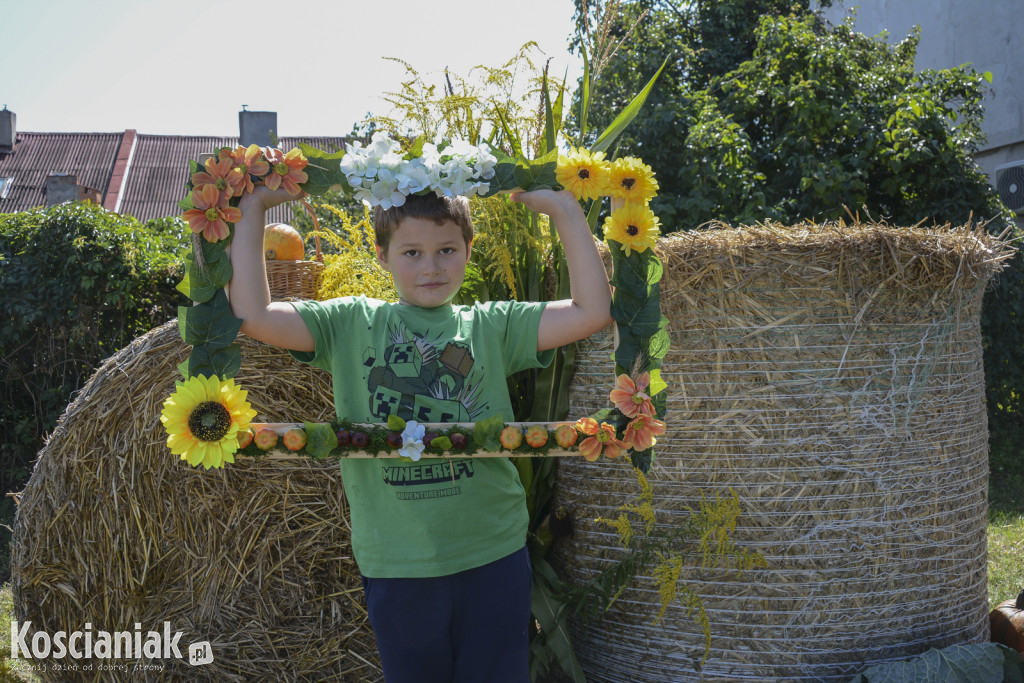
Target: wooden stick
point(280, 453)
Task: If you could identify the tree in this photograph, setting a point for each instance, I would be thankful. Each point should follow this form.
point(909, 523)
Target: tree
point(766, 111)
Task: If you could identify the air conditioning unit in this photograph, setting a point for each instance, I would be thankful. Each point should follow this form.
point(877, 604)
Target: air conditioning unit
point(1010, 185)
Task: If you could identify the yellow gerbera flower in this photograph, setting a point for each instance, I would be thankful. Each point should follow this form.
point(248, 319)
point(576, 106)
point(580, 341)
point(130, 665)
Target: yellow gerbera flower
point(634, 226)
point(203, 417)
point(584, 174)
point(633, 180)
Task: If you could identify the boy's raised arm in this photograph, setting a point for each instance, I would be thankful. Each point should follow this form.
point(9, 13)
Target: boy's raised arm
point(589, 309)
point(276, 323)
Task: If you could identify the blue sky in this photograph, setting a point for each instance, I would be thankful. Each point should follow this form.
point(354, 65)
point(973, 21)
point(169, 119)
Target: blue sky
point(171, 67)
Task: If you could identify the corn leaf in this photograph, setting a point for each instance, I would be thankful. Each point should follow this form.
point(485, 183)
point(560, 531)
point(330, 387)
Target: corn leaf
point(626, 116)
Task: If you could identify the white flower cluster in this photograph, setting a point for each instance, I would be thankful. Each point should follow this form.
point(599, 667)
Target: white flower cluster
point(381, 175)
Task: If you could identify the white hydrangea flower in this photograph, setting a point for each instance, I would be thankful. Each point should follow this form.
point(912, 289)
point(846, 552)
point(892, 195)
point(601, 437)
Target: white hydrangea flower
point(380, 175)
point(412, 440)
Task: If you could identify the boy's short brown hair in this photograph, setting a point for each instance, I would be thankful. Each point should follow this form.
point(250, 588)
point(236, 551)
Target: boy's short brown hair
point(430, 207)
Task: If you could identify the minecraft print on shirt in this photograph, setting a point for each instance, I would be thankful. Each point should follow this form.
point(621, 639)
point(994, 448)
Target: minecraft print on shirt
point(423, 379)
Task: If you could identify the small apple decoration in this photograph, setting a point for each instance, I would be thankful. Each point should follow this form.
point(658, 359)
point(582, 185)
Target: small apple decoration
point(295, 439)
point(566, 436)
point(536, 436)
point(265, 438)
point(511, 437)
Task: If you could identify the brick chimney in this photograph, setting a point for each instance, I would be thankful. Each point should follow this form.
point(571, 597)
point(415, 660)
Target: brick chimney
point(8, 130)
point(259, 127)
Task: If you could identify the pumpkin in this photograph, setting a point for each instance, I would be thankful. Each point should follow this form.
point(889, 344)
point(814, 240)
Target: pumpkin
point(282, 243)
point(1007, 621)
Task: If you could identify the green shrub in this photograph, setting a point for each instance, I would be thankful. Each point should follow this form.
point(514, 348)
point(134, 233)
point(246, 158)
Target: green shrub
point(78, 284)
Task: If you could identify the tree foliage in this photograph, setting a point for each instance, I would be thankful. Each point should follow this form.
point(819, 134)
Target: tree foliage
point(766, 111)
point(78, 283)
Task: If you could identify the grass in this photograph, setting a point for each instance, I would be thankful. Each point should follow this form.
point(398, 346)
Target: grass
point(1006, 524)
point(11, 669)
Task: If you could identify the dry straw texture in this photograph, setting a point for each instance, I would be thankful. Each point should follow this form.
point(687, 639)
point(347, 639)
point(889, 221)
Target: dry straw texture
point(832, 376)
point(113, 530)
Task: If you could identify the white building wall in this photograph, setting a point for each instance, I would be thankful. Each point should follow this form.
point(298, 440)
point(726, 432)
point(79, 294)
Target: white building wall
point(988, 34)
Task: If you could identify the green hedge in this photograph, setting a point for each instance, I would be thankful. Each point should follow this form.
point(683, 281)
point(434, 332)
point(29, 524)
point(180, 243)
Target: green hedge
point(78, 283)
point(1002, 329)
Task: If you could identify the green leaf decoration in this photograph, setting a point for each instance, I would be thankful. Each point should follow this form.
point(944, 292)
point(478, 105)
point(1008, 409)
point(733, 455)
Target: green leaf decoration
point(537, 173)
point(186, 203)
point(215, 251)
point(395, 423)
point(323, 170)
point(504, 174)
point(626, 116)
point(441, 443)
point(658, 385)
point(642, 460)
point(980, 663)
point(320, 439)
point(200, 284)
point(487, 433)
point(211, 323)
point(207, 360)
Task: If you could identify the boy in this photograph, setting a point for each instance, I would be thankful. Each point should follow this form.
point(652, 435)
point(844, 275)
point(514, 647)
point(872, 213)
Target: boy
point(440, 543)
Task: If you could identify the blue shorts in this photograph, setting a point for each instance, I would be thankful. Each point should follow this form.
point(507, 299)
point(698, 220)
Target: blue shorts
point(466, 627)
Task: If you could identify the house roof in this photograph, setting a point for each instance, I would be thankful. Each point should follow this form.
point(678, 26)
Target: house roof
point(90, 156)
point(136, 174)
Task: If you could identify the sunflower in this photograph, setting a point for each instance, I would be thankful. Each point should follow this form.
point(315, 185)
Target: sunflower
point(634, 226)
point(633, 180)
point(203, 417)
point(584, 174)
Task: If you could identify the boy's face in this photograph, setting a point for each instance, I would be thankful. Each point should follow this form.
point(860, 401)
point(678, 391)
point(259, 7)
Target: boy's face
point(426, 260)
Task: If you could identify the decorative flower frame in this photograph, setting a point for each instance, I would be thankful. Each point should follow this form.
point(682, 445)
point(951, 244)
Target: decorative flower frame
point(384, 173)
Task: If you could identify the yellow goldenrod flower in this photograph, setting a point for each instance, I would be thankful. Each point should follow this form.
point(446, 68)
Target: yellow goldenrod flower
point(584, 174)
point(203, 418)
point(634, 226)
point(633, 180)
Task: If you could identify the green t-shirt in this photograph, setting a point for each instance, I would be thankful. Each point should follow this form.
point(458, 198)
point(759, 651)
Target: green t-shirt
point(436, 516)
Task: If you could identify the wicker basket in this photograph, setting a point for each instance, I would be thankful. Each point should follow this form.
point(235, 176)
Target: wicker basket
point(297, 279)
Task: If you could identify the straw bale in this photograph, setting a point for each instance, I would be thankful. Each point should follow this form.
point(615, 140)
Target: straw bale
point(112, 530)
point(832, 376)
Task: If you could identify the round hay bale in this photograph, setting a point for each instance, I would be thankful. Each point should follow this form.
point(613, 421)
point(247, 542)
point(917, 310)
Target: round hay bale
point(113, 531)
point(832, 376)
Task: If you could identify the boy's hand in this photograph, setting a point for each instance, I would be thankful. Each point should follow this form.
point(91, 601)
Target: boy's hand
point(589, 309)
point(560, 205)
point(263, 198)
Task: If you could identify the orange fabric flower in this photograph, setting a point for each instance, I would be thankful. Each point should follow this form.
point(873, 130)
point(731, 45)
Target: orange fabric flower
point(286, 169)
point(249, 162)
point(211, 214)
point(630, 396)
point(600, 439)
point(641, 432)
point(221, 174)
